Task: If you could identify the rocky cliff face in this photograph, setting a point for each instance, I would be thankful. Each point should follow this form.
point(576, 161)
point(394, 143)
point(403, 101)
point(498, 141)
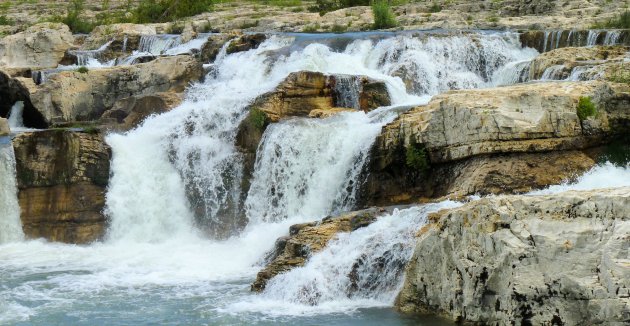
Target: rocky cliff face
point(529, 260)
point(62, 177)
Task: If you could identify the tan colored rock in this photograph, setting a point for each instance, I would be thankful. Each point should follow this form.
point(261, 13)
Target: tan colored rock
point(129, 112)
point(309, 238)
point(305, 91)
point(75, 96)
point(536, 260)
point(520, 118)
point(564, 60)
point(4, 127)
point(512, 173)
point(62, 178)
point(38, 47)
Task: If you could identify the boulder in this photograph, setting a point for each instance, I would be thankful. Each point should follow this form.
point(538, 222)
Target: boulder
point(246, 42)
point(40, 46)
point(451, 146)
point(62, 178)
point(527, 260)
point(212, 47)
point(304, 91)
point(77, 96)
point(520, 118)
point(309, 238)
point(129, 112)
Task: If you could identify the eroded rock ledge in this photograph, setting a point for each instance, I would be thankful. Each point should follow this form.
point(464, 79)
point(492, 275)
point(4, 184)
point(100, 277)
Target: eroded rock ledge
point(457, 139)
point(530, 260)
point(62, 177)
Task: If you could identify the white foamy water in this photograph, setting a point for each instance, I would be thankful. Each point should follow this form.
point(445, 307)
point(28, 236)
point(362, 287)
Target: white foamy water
point(602, 176)
point(10, 224)
point(181, 168)
point(357, 269)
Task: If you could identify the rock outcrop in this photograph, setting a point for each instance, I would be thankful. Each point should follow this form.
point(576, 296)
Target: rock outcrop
point(38, 47)
point(62, 177)
point(451, 145)
point(308, 238)
point(77, 96)
point(526, 260)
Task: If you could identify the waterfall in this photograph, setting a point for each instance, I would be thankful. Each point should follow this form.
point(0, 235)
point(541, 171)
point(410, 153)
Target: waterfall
point(311, 168)
point(553, 73)
point(15, 116)
point(591, 39)
point(10, 223)
point(512, 73)
point(92, 58)
point(158, 44)
point(348, 91)
point(361, 268)
point(612, 37)
point(196, 169)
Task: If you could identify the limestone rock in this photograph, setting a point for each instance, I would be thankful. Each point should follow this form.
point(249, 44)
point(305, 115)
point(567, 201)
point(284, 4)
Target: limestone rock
point(129, 112)
point(76, 96)
point(304, 91)
point(4, 127)
point(530, 260)
point(309, 238)
point(520, 118)
point(62, 178)
point(246, 42)
point(38, 47)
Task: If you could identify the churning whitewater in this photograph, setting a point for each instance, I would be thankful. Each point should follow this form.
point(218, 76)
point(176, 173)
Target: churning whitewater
point(183, 162)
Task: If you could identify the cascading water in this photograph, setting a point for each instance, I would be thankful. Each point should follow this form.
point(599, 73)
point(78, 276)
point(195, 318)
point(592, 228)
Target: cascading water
point(182, 167)
point(15, 116)
point(357, 269)
point(348, 91)
point(10, 223)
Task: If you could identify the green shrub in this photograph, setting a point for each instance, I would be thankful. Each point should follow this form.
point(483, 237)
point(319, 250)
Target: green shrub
point(622, 21)
point(83, 70)
point(435, 7)
point(586, 108)
point(5, 21)
point(383, 15)
point(72, 19)
point(416, 158)
point(258, 118)
point(338, 28)
point(161, 11)
point(324, 6)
